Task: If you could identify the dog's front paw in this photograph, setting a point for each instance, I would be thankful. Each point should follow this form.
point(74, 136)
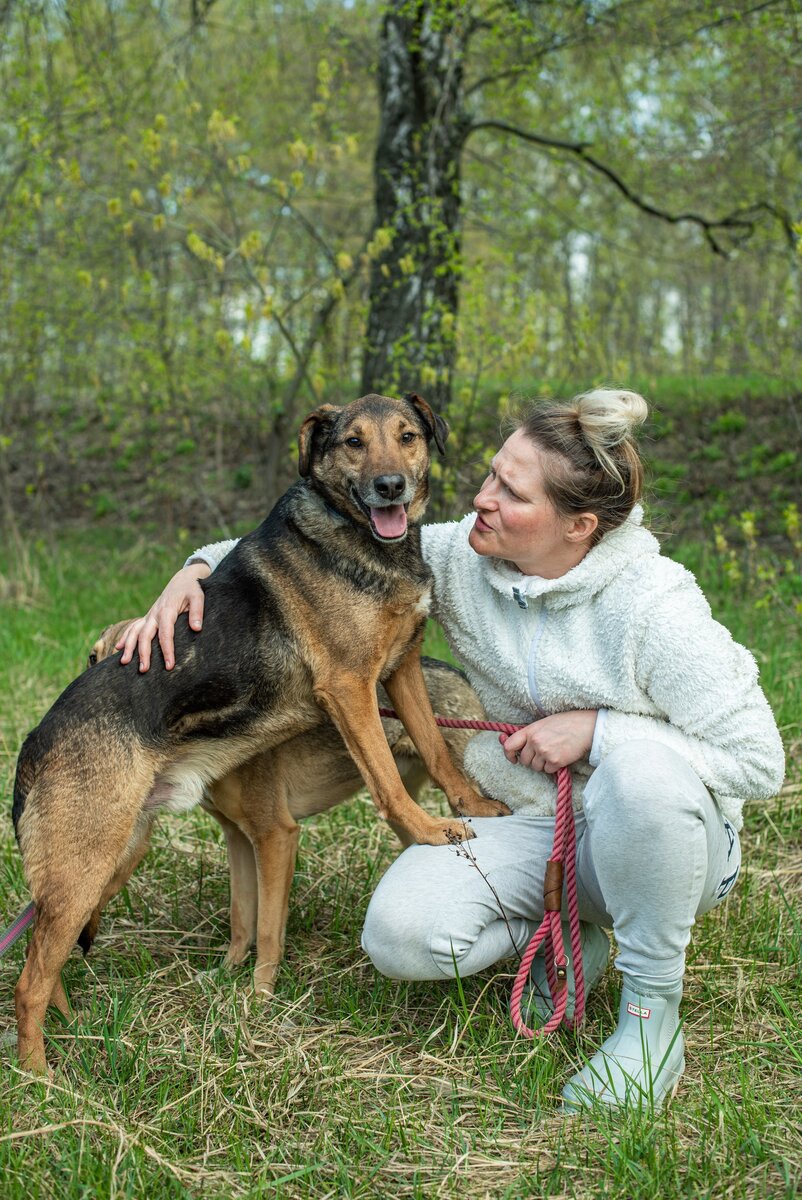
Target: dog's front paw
point(264, 979)
point(444, 831)
point(471, 803)
point(236, 953)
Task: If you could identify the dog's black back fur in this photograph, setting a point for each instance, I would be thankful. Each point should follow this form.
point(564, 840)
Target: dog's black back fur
point(236, 669)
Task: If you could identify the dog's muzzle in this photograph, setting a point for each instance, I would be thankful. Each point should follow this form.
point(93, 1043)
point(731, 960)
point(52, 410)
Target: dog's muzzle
point(386, 507)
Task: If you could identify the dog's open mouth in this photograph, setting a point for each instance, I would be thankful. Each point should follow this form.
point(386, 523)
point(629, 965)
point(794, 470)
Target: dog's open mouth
point(388, 523)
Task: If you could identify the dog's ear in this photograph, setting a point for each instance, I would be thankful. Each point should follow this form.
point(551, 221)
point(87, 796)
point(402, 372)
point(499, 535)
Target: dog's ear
point(312, 432)
point(435, 426)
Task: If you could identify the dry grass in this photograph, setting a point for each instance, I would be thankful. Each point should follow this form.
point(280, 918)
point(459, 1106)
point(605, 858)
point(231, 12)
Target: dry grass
point(174, 1081)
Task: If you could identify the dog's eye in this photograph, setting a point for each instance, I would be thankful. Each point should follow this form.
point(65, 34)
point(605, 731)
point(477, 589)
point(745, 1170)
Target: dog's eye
point(409, 436)
point(92, 659)
point(353, 441)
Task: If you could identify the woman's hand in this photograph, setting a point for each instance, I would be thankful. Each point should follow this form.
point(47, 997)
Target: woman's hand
point(182, 594)
point(552, 742)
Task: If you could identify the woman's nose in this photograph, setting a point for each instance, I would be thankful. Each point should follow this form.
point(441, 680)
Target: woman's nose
point(484, 498)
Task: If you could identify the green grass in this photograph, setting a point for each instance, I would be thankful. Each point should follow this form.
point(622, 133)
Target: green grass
point(174, 1081)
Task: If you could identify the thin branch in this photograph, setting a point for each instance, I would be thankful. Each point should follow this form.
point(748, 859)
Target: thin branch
point(303, 221)
point(740, 222)
point(738, 16)
point(318, 324)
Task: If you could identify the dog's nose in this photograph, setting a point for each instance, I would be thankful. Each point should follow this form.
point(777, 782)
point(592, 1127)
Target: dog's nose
point(389, 487)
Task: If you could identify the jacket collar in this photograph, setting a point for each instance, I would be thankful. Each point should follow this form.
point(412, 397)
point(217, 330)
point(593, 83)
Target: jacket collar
point(604, 562)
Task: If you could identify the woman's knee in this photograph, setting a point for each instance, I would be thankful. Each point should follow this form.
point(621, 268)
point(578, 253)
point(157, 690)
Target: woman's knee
point(407, 928)
point(409, 944)
point(645, 784)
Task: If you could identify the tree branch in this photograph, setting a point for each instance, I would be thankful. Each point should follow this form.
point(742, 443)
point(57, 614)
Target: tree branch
point(728, 19)
point(740, 223)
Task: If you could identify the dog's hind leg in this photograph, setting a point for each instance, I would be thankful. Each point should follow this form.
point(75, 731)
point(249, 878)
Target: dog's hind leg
point(53, 938)
point(263, 836)
point(59, 999)
point(243, 899)
point(67, 882)
point(50, 944)
point(274, 851)
point(136, 851)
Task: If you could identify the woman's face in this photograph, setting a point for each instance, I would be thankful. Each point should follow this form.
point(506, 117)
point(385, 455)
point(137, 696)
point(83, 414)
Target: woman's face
point(515, 520)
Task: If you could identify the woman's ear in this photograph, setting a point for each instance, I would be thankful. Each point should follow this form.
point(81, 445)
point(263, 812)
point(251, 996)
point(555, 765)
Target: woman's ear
point(581, 527)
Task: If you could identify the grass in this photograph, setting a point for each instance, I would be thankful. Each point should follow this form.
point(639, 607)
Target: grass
point(174, 1081)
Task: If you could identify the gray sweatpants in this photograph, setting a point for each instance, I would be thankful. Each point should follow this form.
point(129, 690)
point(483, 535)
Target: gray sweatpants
point(653, 853)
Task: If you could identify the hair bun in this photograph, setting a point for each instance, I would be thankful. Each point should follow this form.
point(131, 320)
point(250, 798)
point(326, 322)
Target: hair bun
point(608, 416)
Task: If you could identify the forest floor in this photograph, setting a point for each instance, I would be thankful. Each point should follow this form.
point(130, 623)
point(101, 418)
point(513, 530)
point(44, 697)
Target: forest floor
point(713, 447)
point(175, 1082)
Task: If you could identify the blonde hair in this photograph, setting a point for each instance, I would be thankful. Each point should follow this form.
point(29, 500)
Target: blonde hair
point(591, 462)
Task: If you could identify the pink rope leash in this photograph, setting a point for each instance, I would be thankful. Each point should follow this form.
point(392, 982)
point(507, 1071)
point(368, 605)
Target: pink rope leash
point(561, 866)
point(16, 929)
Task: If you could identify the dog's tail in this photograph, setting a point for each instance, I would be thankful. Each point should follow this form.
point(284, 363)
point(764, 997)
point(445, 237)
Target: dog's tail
point(89, 932)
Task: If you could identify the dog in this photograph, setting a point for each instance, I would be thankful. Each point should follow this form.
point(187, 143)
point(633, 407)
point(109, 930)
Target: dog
point(326, 599)
point(314, 772)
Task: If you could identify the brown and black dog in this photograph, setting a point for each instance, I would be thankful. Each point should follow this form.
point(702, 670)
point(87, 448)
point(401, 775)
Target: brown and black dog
point(327, 598)
point(305, 776)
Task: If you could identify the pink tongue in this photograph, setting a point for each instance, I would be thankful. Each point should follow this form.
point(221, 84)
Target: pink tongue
point(390, 522)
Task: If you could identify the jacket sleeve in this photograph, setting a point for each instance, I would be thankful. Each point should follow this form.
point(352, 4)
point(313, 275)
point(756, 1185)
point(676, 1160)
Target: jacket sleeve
point(706, 685)
point(438, 544)
point(213, 554)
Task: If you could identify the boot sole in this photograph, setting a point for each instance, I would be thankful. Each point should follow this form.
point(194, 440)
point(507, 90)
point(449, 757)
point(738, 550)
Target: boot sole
point(570, 1109)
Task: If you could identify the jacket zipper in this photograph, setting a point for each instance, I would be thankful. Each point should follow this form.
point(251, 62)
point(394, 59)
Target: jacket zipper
point(533, 690)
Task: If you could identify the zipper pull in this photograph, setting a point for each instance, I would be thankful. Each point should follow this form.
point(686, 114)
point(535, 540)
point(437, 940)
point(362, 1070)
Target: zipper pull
point(519, 599)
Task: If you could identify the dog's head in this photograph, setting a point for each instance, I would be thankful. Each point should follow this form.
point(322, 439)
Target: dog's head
point(104, 646)
point(370, 459)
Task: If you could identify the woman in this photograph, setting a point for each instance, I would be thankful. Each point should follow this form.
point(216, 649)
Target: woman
point(568, 620)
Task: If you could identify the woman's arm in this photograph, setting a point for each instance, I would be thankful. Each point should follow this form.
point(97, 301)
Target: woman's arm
point(182, 594)
point(716, 715)
point(552, 742)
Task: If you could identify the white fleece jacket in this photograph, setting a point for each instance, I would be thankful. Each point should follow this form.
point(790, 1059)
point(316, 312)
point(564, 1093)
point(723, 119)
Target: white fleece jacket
point(627, 632)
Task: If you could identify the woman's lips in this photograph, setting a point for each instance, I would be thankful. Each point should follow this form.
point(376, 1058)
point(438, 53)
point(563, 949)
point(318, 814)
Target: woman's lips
point(482, 525)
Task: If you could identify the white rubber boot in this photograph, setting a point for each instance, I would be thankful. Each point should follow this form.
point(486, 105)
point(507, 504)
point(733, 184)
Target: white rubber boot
point(595, 955)
point(640, 1064)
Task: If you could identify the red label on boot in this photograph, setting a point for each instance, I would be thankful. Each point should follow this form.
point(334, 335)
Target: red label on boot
point(634, 1011)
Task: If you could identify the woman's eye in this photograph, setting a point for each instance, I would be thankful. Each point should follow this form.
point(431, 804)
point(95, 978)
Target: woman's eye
point(353, 441)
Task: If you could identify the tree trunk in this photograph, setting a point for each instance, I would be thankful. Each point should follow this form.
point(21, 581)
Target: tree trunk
point(415, 272)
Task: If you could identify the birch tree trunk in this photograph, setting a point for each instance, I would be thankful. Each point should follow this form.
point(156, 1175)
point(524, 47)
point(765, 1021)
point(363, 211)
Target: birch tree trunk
point(415, 271)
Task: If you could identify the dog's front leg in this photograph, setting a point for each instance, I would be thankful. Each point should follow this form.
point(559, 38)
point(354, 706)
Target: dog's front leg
point(350, 701)
point(406, 687)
